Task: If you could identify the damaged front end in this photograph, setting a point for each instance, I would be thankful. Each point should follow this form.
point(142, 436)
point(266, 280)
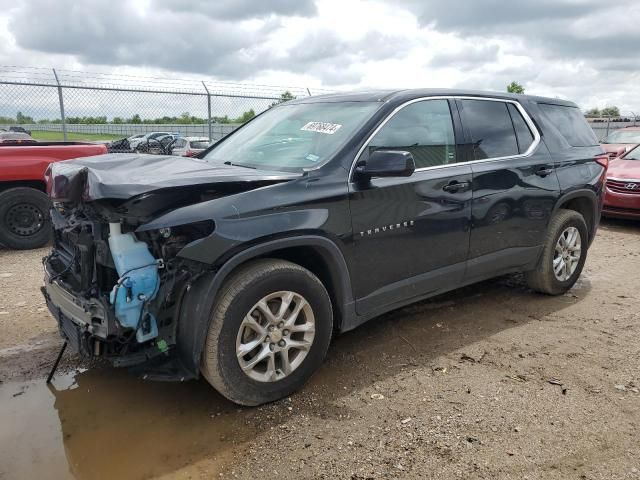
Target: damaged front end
point(115, 293)
point(114, 286)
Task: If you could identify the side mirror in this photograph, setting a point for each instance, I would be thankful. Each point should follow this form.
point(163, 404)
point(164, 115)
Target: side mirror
point(387, 163)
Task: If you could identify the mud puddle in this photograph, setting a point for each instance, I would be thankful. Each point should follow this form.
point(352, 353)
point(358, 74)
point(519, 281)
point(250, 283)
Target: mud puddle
point(107, 424)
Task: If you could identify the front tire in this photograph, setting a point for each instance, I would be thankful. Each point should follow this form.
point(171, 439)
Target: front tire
point(269, 332)
point(563, 255)
point(25, 222)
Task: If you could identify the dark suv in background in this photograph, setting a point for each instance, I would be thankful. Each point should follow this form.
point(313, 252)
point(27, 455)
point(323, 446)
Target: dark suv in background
point(312, 218)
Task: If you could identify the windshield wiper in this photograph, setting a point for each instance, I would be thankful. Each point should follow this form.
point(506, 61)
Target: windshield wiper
point(239, 165)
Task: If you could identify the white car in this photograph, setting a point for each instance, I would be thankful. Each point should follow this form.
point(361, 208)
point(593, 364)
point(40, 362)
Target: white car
point(135, 137)
point(134, 142)
point(189, 146)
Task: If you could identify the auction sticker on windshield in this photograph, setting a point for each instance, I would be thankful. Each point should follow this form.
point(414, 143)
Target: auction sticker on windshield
point(321, 127)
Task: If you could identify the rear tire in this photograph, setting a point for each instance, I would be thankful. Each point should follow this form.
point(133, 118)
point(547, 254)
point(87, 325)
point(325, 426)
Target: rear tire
point(563, 254)
point(25, 222)
point(269, 332)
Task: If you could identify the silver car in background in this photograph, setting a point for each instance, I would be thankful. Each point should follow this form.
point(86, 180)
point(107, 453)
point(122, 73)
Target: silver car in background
point(188, 146)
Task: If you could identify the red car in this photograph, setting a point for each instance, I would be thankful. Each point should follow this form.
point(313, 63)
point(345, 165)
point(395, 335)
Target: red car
point(622, 193)
point(24, 207)
point(621, 141)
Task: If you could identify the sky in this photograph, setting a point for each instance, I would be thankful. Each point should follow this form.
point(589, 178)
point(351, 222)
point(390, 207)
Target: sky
point(583, 50)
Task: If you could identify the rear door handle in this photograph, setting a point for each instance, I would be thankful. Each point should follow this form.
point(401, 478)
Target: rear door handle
point(456, 187)
point(544, 171)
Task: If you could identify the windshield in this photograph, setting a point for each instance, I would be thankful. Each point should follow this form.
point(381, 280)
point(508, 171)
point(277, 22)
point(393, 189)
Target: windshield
point(629, 136)
point(633, 154)
point(293, 137)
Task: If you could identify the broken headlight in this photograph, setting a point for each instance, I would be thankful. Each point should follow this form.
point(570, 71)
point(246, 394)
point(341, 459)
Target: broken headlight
point(168, 241)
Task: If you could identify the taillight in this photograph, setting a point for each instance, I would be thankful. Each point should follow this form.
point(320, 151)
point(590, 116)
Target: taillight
point(603, 160)
point(189, 153)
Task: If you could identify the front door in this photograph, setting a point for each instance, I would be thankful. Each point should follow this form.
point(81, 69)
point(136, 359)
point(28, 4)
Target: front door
point(411, 234)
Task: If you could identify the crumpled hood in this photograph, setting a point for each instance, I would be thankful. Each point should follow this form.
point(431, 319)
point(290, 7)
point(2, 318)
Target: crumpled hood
point(624, 169)
point(122, 176)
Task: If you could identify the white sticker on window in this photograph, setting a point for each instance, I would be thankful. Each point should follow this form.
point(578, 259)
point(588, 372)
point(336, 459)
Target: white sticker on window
point(321, 127)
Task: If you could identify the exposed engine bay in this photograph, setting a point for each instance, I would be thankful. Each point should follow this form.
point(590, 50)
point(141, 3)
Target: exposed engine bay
point(114, 283)
point(119, 287)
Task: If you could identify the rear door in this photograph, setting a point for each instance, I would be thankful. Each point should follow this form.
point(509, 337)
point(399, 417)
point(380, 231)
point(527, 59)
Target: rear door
point(515, 187)
point(412, 234)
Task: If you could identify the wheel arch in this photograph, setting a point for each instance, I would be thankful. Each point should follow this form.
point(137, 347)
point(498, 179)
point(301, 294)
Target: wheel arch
point(585, 202)
point(317, 254)
point(35, 184)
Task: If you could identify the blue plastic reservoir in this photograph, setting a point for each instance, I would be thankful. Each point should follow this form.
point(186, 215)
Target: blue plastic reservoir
point(138, 283)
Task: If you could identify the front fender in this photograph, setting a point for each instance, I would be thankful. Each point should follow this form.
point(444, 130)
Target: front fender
point(233, 233)
point(200, 299)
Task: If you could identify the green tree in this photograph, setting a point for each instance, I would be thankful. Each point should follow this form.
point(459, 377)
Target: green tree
point(284, 97)
point(515, 87)
point(135, 119)
point(610, 112)
point(185, 118)
point(245, 117)
point(594, 112)
point(22, 119)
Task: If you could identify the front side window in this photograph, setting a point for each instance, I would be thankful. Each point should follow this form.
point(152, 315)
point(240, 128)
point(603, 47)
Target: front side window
point(491, 129)
point(293, 137)
point(424, 129)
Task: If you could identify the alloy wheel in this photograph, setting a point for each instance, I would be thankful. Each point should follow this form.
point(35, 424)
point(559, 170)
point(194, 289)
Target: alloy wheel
point(275, 336)
point(567, 253)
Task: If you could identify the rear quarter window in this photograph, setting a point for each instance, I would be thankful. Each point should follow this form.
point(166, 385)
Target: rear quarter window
point(571, 124)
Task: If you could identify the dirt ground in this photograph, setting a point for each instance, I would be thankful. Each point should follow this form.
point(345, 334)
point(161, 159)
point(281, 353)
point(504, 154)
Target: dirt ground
point(491, 381)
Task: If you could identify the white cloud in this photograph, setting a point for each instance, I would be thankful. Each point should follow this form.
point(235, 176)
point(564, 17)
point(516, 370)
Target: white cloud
point(564, 48)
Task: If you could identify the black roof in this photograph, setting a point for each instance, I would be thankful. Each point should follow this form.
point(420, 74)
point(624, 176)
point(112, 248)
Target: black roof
point(410, 94)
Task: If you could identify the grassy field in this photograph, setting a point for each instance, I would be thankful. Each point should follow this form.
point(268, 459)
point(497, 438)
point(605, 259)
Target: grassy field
point(45, 135)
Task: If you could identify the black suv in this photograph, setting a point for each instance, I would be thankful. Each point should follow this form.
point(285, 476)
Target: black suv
point(310, 219)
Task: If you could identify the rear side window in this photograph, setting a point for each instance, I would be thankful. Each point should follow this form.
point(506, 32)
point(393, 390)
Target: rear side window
point(491, 129)
point(571, 124)
point(523, 132)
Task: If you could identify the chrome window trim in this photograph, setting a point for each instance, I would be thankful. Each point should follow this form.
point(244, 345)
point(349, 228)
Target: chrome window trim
point(525, 116)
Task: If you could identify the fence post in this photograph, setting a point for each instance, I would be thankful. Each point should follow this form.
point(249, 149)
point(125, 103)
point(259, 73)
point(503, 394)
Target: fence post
point(208, 111)
point(64, 122)
point(608, 121)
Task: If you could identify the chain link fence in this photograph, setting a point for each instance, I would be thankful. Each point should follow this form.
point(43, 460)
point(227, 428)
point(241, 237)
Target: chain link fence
point(71, 105)
point(605, 124)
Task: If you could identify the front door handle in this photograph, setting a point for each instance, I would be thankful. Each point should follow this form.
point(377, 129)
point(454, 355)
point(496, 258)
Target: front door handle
point(456, 187)
point(544, 171)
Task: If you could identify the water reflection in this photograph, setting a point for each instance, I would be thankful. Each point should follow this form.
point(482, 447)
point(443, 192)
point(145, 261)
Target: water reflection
point(108, 424)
